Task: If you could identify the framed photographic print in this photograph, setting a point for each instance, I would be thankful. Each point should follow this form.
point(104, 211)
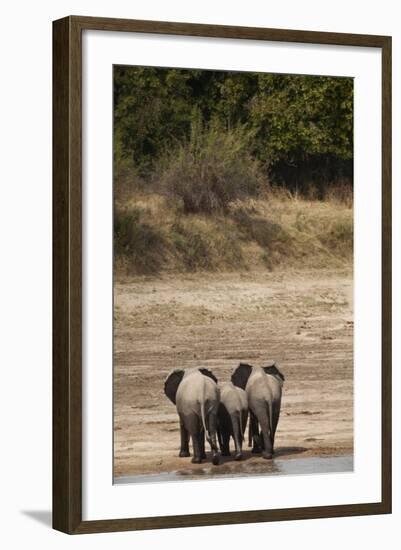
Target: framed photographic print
point(222, 275)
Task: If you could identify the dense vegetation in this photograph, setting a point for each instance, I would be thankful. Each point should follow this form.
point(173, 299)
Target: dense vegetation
point(215, 170)
point(299, 128)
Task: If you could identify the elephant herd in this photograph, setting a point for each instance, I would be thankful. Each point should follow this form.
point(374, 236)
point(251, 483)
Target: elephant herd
point(220, 411)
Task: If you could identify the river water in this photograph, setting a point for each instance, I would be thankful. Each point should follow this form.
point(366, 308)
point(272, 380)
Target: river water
point(290, 466)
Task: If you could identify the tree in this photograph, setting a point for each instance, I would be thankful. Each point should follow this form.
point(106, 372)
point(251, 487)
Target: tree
point(302, 125)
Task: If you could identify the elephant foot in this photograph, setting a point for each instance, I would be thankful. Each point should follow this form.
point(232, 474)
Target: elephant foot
point(216, 459)
point(196, 460)
point(203, 456)
point(183, 453)
point(226, 453)
point(267, 455)
point(238, 456)
point(256, 450)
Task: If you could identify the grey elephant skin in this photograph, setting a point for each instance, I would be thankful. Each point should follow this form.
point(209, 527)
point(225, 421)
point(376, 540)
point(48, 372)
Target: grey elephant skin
point(196, 395)
point(232, 418)
point(263, 386)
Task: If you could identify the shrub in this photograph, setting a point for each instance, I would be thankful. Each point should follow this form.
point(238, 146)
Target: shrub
point(201, 245)
point(210, 170)
point(143, 246)
point(193, 247)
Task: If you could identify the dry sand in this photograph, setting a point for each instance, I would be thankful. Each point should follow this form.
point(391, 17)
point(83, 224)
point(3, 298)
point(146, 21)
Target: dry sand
point(303, 320)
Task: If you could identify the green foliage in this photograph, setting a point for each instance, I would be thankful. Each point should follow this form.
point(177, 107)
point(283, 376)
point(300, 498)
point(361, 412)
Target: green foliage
point(303, 116)
point(152, 109)
point(212, 168)
point(302, 126)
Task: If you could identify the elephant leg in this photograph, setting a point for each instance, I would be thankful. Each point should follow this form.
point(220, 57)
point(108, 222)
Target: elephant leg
point(184, 449)
point(225, 443)
point(220, 439)
point(266, 436)
point(244, 421)
point(254, 429)
point(237, 436)
point(223, 430)
point(276, 415)
point(202, 443)
point(197, 458)
point(212, 428)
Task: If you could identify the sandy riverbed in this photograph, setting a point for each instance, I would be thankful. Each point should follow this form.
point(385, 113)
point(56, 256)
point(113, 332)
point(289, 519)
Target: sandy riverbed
point(302, 320)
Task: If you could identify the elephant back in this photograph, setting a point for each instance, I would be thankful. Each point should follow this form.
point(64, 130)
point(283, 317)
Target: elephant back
point(233, 398)
point(273, 371)
point(195, 389)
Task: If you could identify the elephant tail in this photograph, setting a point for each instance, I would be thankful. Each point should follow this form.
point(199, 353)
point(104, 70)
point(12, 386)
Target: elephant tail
point(250, 435)
point(202, 409)
point(270, 412)
point(241, 427)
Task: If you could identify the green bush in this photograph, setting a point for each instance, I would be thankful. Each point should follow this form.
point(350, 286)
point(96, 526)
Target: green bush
point(212, 169)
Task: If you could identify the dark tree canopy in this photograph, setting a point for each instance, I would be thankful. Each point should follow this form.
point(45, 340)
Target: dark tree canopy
point(302, 126)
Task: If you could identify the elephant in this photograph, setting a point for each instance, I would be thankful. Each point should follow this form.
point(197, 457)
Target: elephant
point(263, 386)
point(196, 395)
point(232, 418)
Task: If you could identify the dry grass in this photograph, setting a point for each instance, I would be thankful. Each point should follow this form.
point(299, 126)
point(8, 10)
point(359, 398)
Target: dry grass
point(153, 235)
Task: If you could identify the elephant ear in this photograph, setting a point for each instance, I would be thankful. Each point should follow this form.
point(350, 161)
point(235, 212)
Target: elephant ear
point(172, 382)
point(207, 372)
point(273, 370)
point(241, 374)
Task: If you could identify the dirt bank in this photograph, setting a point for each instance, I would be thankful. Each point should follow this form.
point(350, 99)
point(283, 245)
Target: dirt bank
point(302, 320)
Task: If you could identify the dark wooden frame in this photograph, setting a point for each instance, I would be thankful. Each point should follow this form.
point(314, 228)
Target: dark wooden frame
point(67, 280)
